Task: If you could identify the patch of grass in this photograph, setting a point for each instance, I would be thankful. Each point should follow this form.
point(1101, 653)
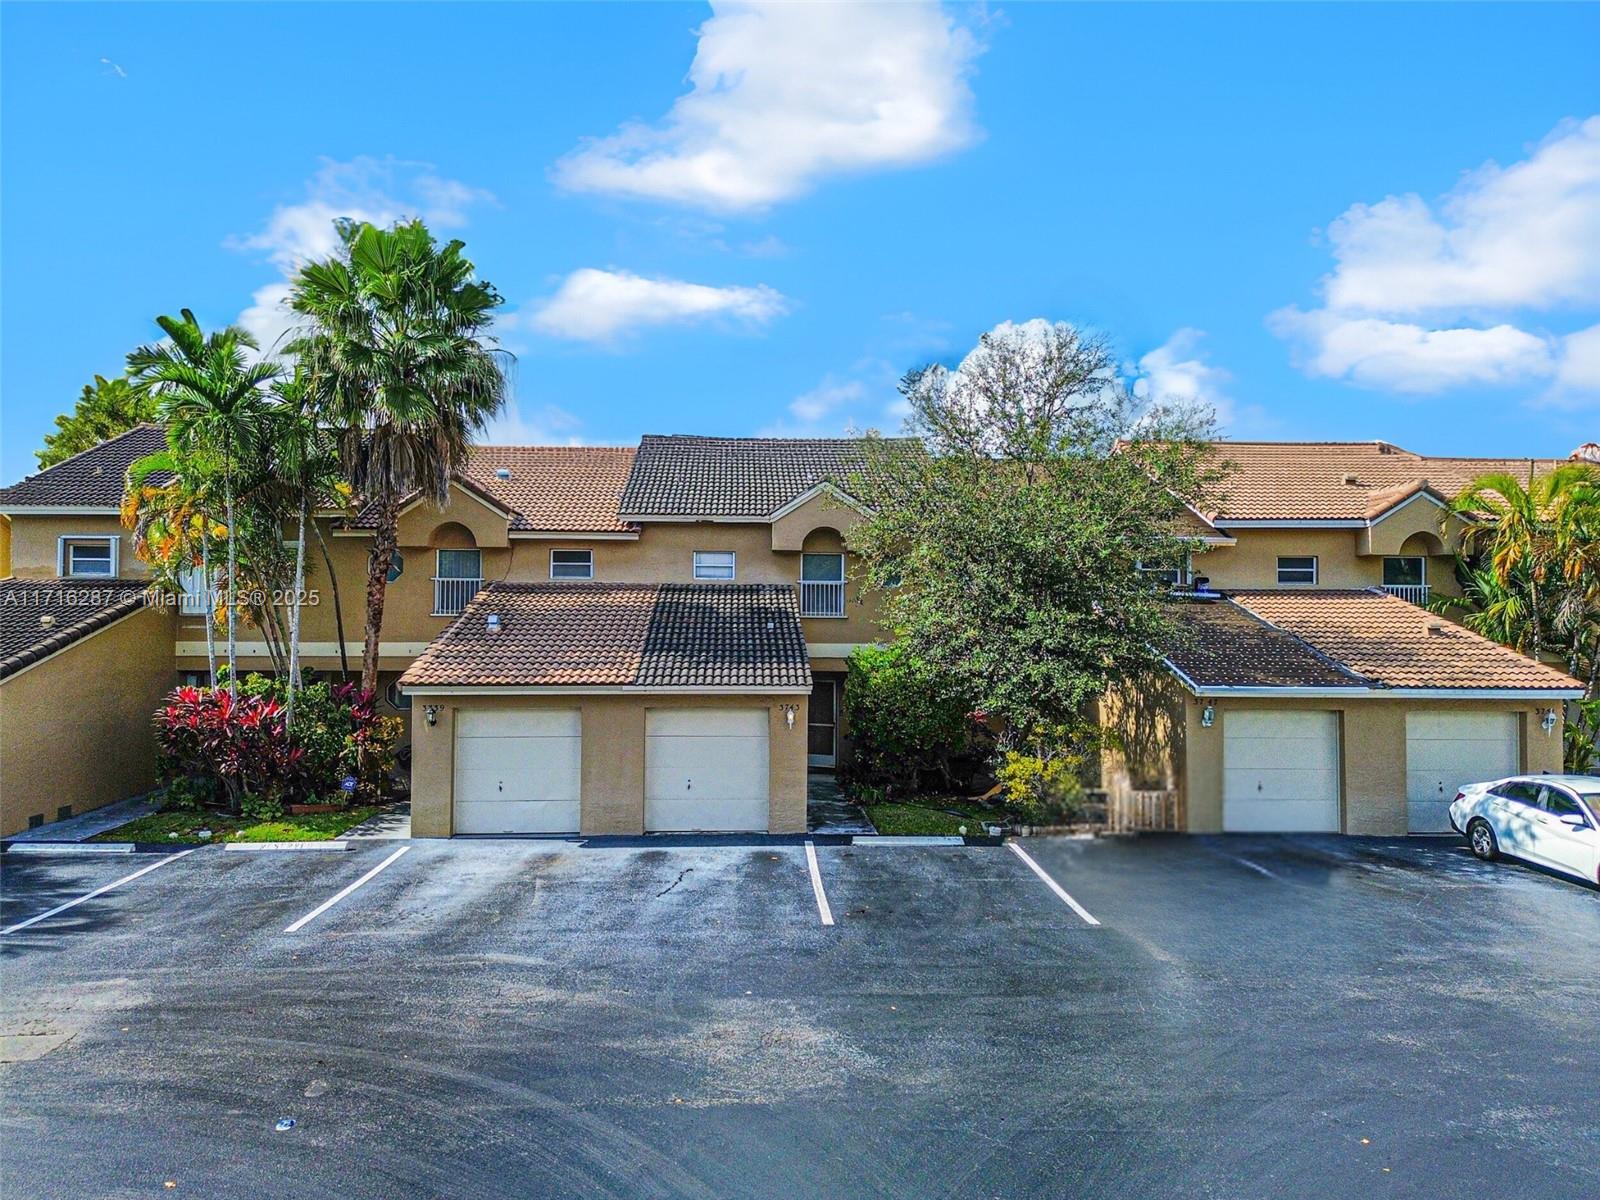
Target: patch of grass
point(186, 826)
point(920, 820)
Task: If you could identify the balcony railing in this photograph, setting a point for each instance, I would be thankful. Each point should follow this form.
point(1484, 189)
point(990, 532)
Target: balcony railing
point(450, 596)
point(1416, 593)
point(821, 599)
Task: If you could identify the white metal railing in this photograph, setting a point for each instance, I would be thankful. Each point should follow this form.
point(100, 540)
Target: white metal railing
point(1416, 593)
point(450, 596)
point(821, 599)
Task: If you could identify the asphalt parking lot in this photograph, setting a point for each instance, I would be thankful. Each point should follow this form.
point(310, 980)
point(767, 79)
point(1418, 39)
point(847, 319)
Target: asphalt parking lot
point(1250, 1017)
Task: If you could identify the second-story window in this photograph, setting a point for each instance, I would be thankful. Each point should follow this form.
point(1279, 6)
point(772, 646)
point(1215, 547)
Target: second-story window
point(822, 585)
point(713, 564)
point(89, 558)
point(572, 564)
point(1297, 569)
point(457, 580)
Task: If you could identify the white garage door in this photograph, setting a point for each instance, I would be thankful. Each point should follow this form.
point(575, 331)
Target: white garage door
point(1280, 772)
point(705, 769)
point(1445, 750)
point(517, 771)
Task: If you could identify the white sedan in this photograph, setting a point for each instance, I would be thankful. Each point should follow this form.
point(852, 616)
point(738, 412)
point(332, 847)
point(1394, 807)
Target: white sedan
point(1551, 820)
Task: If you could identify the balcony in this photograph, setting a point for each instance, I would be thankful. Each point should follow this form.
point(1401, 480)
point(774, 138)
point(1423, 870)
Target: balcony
point(1415, 593)
point(821, 599)
point(450, 596)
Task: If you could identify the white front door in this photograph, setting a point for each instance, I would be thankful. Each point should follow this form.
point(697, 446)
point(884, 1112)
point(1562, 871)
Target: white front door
point(1447, 749)
point(518, 770)
point(705, 770)
point(1280, 771)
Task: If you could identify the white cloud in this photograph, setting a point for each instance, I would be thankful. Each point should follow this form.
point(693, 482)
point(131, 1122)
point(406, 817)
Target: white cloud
point(1424, 298)
point(785, 94)
point(1178, 371)
point(542, 425)
point(1577, 378)
point(592, 305)
point(381, 191)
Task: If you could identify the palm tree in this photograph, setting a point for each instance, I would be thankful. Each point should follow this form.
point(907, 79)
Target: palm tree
point(398, 360)
point(210, 395)
point(1509, 527)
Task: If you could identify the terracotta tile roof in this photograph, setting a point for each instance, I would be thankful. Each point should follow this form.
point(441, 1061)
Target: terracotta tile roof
point(1222, 645)
point(92, 478)
point(679, 475)
point(41, 616)
point(621, 635)
point(1340, 480)
point(1391, 642)
point(551, 489)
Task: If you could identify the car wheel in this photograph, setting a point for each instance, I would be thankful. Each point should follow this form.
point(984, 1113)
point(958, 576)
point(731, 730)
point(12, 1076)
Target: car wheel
point(1482, 840)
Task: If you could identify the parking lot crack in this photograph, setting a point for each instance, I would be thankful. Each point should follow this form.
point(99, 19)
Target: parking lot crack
point(674, 883)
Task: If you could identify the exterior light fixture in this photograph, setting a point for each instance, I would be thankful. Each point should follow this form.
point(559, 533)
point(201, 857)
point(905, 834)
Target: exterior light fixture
point(1208, 716)
point(1548, 721)
point(789, 711)
point(430, 713)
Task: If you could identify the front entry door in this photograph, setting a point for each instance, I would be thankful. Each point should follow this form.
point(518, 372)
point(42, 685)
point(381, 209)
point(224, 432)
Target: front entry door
point(822, 732)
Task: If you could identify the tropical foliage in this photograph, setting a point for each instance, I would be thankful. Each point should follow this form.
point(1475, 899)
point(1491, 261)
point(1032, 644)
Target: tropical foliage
point(910, 727)
point(1005, 540)
point(106, 408)
point(397, 360)
point(1530, 576)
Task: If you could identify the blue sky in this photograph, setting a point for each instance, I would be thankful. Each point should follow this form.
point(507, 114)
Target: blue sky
point(1333, 222)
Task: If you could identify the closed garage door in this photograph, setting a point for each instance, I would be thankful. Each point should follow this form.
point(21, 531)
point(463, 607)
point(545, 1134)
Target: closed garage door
point(705, 769)
point(1447, 749)
point(1280, 772)
point(517, 771)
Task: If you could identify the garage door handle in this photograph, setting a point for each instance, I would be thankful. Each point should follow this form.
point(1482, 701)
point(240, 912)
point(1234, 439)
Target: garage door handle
point(500, 785)
point(688, 785)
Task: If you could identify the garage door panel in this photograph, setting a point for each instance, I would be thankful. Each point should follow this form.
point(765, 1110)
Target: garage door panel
point(1280, 771)
point(1447, 749)
point(490, 816)
point(518, 771)
point(518, 722)
point(706, 769)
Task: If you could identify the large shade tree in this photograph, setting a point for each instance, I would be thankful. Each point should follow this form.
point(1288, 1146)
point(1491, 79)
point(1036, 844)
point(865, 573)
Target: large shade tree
point(398, 361)
point(210, 393)
point(106, 408)
point(1006, 540)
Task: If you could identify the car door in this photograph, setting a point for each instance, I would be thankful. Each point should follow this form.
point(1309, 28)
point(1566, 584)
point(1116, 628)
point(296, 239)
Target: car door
point(1517, 817)
point(1567, 839)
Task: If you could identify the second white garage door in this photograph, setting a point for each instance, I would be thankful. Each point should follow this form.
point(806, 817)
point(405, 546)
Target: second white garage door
point(1445, 750)
point(1280, 772)
point(518, 771)
point(705, 769)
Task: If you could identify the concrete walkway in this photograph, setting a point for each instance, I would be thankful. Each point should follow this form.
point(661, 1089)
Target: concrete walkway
point(827, 810)
point(86, 825)
point(392, 822)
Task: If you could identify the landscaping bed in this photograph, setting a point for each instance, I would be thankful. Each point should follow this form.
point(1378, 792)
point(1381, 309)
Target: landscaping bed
point(934, 817)
point(186, 827)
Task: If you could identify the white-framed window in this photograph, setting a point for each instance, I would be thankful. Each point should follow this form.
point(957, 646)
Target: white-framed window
point(193, 600)
point(1297, 569)
point(572, 564)
point(458, 575)
point(1408, 570)
point(713, 564)
point(1166, 572)
point(87, 557)
point(822, 585)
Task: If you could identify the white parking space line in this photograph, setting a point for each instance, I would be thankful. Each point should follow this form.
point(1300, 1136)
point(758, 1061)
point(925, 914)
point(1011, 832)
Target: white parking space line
point(823, 910)
point(343, 892)
point(1055, 887)
point(99, 891)
point(1256, 867)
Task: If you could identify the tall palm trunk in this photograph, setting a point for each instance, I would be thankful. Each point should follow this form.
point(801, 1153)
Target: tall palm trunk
point(338, 606)
point(383, 546)
point(294, 611)
point(233, 577)
point(210, 597)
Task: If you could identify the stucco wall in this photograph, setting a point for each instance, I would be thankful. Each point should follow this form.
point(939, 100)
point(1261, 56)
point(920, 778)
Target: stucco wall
point(33, 543)
point(1253, 562)
point(1373, 754)
point(75, 728)
point(613, 766)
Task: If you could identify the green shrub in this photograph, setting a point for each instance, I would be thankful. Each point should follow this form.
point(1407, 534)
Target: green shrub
point(260, 808)
point(1043, 790)
point(909, 724)
point(189, 794)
